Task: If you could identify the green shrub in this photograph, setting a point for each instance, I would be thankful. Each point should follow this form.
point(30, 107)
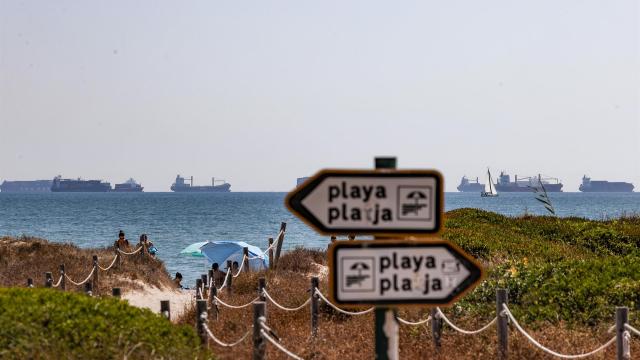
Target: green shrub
point(582, 291)
point(50, 324)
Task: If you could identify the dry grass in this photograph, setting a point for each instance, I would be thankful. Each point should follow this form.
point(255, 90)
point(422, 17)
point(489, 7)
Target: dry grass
point(352, 337)
point(26, 257)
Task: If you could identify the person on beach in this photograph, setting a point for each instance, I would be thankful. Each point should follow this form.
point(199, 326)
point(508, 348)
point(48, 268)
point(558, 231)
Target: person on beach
point(122, 243)
point(149, 248)
point(235, 267)
point(177, 281)
point(218, 275)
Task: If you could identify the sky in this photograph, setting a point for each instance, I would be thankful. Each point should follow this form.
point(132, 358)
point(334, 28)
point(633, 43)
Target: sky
point(261, 92)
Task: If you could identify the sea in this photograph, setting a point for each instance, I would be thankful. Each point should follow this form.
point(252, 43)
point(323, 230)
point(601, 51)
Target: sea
point(175, 220)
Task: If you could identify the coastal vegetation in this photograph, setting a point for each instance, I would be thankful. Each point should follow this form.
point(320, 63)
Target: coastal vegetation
point(564, 277)
point(50, 324)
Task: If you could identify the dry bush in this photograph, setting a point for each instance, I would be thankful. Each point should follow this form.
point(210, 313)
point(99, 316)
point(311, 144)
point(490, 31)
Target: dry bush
point(302, 260)
point(27, 257)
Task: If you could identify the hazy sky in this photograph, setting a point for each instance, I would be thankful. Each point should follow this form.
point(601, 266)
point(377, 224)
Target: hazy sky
point(262, 92)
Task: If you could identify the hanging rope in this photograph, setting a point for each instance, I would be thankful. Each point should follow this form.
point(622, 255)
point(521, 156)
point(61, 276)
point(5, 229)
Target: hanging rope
point(340, 310)
point(235, 306)
point(244, 259)
point(463, 331)
point(58, 283)
point(280, 347)
point(406, 322)
point(220, 342)
point(266, 294)
point(632, 329)
point(110, 266)
point(130, 253)
point(82, 282)
point(547, 350)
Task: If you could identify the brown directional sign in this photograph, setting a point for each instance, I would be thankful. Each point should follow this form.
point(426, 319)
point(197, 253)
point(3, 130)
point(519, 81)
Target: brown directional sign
point(373, 202)
point(400, 272)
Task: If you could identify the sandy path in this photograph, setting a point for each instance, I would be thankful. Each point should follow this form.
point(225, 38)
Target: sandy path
point(151, 296)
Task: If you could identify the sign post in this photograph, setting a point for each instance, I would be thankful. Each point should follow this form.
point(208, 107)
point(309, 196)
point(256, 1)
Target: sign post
point(386, 325)
point(396, 269)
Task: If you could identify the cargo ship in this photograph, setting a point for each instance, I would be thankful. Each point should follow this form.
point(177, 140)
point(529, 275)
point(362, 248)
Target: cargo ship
point(128, 186)
point(526, 184)
point(181, 186)
point(589, 185)
point(467, 185)
point(78, 185)
point(28, 186)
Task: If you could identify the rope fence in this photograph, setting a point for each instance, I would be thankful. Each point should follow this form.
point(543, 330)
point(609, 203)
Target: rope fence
point(282, 307)
point(413, 323)
point(83, 281)
point(341, 310)
point(508, 313)
point(442, 316)
point(279, 346)
point(222, 343)
point(235, 306)
point(115, 258)
point(264, 334)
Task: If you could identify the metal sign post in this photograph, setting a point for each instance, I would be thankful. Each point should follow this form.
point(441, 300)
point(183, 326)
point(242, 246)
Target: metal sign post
point(386, 203)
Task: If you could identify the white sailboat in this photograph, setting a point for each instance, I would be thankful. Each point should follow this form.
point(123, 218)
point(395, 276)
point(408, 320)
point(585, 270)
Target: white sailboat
point(489, 187)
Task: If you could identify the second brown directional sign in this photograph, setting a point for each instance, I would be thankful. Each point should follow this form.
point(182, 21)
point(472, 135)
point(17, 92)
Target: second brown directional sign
point(372, 202)
point(400, 272)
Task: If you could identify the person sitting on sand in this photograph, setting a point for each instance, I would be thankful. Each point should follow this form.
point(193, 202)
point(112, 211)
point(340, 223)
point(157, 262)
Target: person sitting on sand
point(149, 248)
point(122, 243)
point(178, 281)
point(236, 267)
point(218, 275)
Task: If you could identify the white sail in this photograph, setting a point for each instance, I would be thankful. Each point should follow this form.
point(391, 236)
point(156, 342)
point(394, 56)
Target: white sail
point(489, 187)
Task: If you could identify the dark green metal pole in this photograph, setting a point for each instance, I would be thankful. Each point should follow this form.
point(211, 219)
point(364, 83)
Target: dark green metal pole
point(385, 318)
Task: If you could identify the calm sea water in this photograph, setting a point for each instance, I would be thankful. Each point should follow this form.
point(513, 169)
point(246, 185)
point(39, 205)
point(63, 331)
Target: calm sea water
point(174, 221)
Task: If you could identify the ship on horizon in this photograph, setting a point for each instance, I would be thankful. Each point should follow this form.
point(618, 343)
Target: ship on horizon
point(467, 185)
point(78, 185)
point(26, 186)
point(181, 186)
point(589, 185)
point(527, 184)
point(128, 186)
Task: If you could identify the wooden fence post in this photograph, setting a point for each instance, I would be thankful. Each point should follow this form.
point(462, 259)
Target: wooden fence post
point(262, 284)
point(205, 285)
point(245, 257)
point(63, 281)
point(96, 270)
point(270, 253)
point(165, 309)
point(279, 241)
point(30, 282)
point(314, 306)
point(201, 320)
point(622, 345)
point(214, 303)
point(116, 293)
point(259, 344)
point(199, 289)
point(436, 328)
point(88, 289)
point(229, 277)
point(502, 297)
point(48, 280)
